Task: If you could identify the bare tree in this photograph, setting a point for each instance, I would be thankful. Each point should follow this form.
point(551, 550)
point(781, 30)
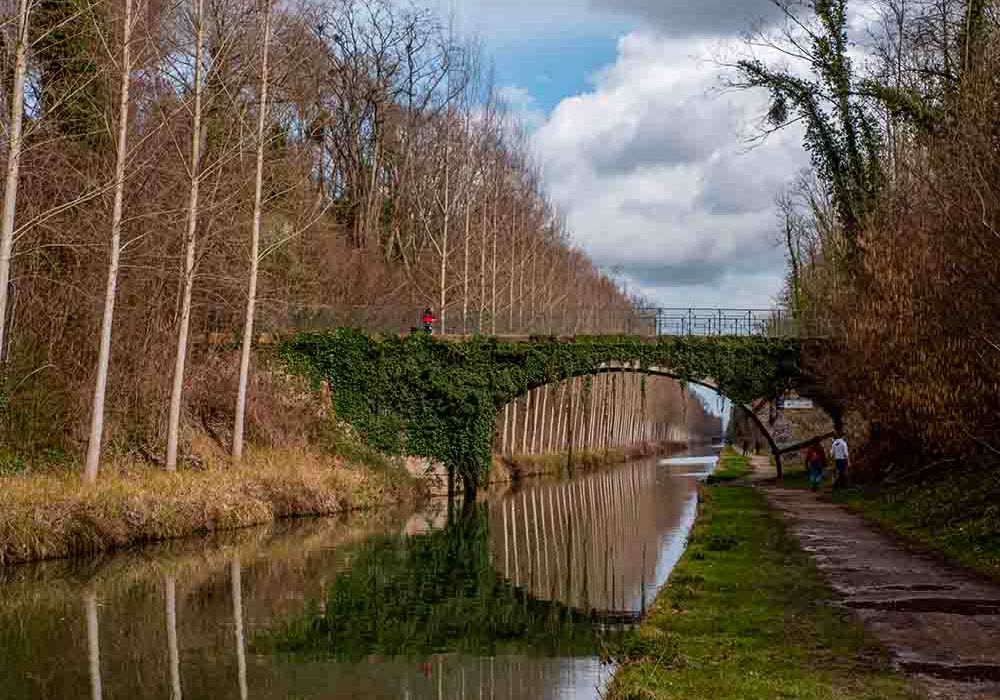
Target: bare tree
point(173, 425)
point(248, 323)
point(111, 290)
point(14, 147)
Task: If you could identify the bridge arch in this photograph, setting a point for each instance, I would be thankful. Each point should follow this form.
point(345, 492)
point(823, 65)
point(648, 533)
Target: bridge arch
point(438, 398)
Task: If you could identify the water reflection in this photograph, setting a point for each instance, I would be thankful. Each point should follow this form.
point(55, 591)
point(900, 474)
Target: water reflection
point(509, 601)
point(593, 543)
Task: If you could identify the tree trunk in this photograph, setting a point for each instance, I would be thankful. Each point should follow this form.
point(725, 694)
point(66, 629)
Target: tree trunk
point(493, 310)
point(465, 275)
point(177, 392)
point(239, 424)
point(111, 290)
point(13, 165)
point(527, 422)
point(534, 427)
point(443, 282)
point(503, 441)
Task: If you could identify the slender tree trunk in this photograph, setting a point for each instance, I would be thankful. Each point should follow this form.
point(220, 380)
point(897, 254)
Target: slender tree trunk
point(513, 262)
point(177, 393)
point(465, 274)
point(493, 311)
point(553, 414)
point(482, 271)
point(520, 288)
point(12, 180)
point(534, 427)
point(371, 211)
point(545, 405)
point(239, 424)
point(110, 293)
point(560, 412)
point(443, 282)
point(591, 397)
point(506, 417)
point(527, 422)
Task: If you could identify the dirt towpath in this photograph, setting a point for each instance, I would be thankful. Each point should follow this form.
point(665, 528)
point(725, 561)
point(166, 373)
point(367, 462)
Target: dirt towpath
point(941, 624)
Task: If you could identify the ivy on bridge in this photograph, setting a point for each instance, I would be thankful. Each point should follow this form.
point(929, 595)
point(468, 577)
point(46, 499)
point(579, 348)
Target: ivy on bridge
point(438, 398)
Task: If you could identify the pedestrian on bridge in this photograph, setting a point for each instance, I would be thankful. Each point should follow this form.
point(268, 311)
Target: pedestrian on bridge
point(428, 321)
point(815, 464)
point(841, 455)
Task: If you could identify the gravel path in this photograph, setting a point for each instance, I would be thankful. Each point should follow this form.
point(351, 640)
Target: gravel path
point(941, 623)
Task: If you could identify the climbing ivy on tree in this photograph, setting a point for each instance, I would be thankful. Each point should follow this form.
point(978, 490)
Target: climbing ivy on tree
point(842, 132)
point(438, 399)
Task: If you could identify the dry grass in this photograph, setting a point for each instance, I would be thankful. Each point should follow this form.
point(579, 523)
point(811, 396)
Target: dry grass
point(55, 515)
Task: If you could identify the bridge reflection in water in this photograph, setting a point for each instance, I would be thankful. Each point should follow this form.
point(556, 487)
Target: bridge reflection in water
point(499, 604)
point(596, 543)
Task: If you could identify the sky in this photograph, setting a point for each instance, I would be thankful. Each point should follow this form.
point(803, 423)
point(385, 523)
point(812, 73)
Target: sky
point(639, 145)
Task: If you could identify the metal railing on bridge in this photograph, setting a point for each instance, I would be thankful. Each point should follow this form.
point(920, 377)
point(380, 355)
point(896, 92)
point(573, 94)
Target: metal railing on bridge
point(650, 322)
point(729, 322)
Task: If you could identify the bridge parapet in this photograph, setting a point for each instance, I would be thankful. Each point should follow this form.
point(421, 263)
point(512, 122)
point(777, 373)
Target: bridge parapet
point(646, 322)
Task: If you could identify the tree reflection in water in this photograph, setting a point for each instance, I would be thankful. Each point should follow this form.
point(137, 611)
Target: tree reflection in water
point(433, 594)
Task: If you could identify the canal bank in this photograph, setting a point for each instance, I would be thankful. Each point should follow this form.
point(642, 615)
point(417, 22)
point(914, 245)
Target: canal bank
point(54, 515)
point(746, 615)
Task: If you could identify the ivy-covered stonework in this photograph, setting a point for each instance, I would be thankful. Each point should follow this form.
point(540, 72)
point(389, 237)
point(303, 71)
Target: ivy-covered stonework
point(436, 398)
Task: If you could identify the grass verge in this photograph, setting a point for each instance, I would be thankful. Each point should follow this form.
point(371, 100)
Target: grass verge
point(732, 467)
point(746, 615)
point(46, 516)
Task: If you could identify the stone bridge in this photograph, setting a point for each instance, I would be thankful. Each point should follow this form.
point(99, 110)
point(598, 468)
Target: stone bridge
point(438, 397)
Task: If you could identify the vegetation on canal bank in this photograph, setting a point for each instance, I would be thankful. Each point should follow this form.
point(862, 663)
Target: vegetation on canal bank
point(46, 516)
point(732, 466)
point(745, 615)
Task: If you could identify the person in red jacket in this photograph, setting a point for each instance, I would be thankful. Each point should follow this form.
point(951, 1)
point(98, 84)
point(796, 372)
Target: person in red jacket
point(428, 321)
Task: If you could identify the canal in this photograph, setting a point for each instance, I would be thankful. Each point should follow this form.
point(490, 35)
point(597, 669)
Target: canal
point(514, 598)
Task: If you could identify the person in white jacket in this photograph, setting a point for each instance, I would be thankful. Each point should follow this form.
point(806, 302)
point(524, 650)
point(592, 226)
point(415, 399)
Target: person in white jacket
point(841, 456)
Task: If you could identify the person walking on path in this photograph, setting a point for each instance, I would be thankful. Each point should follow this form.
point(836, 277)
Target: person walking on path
point(841, 455)
point(815, 464)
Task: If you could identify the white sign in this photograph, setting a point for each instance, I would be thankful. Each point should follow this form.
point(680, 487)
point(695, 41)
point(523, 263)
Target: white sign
point(796, 404)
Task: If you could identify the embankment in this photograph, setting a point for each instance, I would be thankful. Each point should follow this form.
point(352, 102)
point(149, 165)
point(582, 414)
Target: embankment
point(46, 516)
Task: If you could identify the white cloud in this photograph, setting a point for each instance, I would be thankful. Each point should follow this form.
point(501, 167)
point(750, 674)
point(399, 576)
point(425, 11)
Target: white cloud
point(523, 106)
point(654, 172)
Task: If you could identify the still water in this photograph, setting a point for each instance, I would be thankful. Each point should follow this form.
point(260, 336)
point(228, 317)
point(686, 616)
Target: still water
point(511, 599)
